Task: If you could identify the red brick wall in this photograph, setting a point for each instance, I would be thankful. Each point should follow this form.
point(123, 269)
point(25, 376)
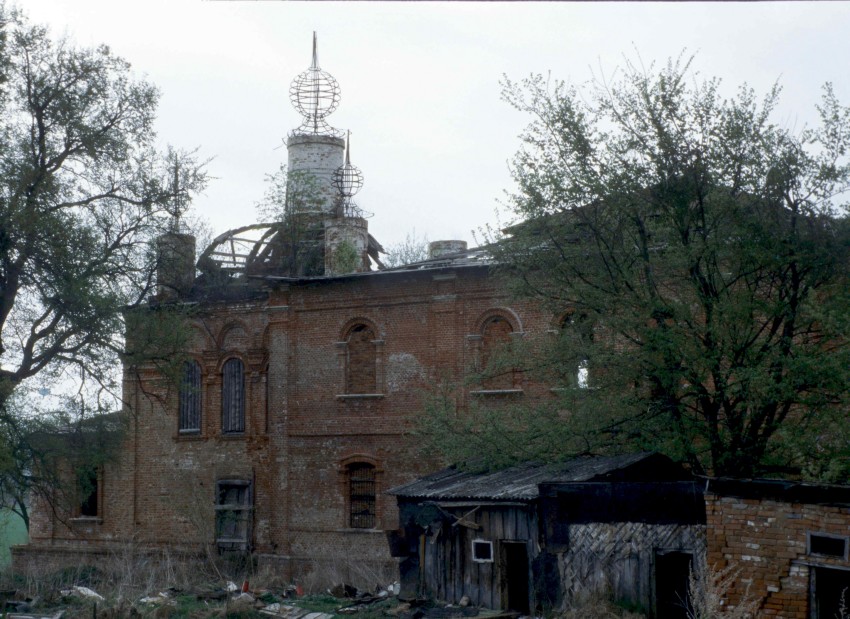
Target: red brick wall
point(766, 541)
point(302, 428)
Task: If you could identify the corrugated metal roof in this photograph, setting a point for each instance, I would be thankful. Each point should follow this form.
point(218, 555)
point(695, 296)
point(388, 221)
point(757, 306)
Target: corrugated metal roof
point(518, 482)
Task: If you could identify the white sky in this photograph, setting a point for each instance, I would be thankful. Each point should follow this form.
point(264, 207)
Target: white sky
point(420, 82)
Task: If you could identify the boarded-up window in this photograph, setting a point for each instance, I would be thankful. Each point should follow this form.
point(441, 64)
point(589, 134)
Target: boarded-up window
point(360, 367)
point(233, 509)
point(498, 371)
point(190, 398)
point(361, 495)
point(233, 397)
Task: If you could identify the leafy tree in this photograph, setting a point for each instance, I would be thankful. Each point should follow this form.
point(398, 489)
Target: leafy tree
point(697, 253)
point(293, 203)
point(412, 249)
point(83, 194)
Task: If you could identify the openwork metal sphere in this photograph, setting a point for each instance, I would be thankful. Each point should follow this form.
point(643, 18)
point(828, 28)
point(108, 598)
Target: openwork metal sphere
point(314, 93)
point(348, 179)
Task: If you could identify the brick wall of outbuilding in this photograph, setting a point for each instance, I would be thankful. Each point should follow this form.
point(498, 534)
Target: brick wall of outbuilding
point(765, 541)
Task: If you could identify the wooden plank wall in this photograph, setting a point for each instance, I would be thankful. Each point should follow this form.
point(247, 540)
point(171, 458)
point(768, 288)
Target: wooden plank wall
point(450, 572)
point(618, 559)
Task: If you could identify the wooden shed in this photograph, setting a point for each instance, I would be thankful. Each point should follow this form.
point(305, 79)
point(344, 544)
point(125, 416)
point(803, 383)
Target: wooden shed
point(522, 538)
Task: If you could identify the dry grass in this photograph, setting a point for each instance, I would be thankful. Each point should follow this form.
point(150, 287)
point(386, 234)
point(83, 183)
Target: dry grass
point(709, 591)
point(129, 573)
point(598, 606)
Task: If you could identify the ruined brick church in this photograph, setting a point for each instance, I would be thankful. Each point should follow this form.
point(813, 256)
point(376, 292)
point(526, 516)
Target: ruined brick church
point(306, 366)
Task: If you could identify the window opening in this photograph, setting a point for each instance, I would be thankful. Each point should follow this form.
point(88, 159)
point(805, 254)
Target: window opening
point(361, 487)
point(582, 374)
point(482, 551)
point(88, 482)
point(496, 340)
point(233, 397)
point(190, 398)
point(233, 511)
point(579, 329)
point(827, 545)
point(361, 374)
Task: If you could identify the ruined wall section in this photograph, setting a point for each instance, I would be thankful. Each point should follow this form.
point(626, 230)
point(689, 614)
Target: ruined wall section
point(766, 542)
point(312, 160)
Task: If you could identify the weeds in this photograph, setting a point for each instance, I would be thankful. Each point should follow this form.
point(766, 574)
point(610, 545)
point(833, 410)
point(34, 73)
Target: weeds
point(709, 592)
point(599, 606)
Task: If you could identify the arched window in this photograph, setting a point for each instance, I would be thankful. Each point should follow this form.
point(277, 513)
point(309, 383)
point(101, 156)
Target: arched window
point(361, 495)
point(190, 398)
point(578, 328)
point(233, 397)
point(360, 363)
point(495, 362)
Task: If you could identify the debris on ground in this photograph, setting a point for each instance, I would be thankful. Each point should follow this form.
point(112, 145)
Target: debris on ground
point(214, 595)
point(15, 615)
point(292, 612)
point(18, 606)
point(83, 592)
point(398, 610)
point(343, 591)
point(163, 597)
point(214, 599)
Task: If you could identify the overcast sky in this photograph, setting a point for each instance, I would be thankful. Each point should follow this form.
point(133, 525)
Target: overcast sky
point(420, 82)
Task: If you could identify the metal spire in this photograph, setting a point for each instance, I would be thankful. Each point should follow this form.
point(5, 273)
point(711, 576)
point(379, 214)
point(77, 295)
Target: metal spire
point(348, 147)
point(315, 94)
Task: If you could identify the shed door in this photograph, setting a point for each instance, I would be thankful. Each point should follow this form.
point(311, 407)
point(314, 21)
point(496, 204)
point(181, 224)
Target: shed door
point(830, 593)
point(672, 571)
point(513, 567)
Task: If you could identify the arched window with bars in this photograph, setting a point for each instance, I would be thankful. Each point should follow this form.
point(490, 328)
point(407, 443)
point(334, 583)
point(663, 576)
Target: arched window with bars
point(190, 398)
point(233, 397)
point(361, 495)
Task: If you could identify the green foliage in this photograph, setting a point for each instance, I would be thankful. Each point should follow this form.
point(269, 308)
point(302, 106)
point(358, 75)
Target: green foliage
point(699, 255)
point(83, 194)
point(346, 258)
point(494, 432)
point(412, 249)
point(293, 201)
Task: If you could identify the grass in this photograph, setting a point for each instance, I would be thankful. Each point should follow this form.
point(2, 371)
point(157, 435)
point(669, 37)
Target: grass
point(322, 603)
